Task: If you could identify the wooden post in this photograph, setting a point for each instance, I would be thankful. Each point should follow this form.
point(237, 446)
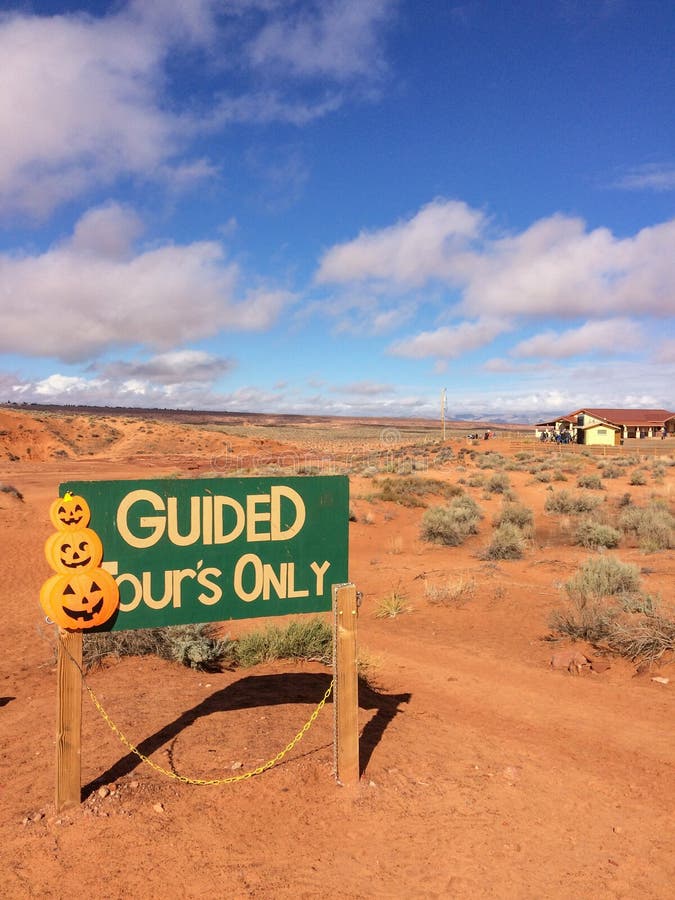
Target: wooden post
point(346, 687)
point(68, 719)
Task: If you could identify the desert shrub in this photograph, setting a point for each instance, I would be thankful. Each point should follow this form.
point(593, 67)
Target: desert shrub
point(196, 646)
point(584, 619)
point(497, 483)
point(592, 482)
point(571, 504)
point(10, 489)
point(199, 646)
point(610, 471)
point(624, 501)
point(629, 625)
point(408, 491)
point(604, 576)
point(543, 477)
point(652, 525)
point(451, 525)
point(476, 480)
point(515, 514)
point(594, 535)
point(638, 477)
point(558, 475)
point(490, 460)
point(507, 542)
point(298, 640)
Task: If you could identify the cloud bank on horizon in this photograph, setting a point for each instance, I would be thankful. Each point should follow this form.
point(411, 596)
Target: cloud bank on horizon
point(338, 207)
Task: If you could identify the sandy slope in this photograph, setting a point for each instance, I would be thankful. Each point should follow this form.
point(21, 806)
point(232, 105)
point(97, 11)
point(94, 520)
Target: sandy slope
point(486, 774)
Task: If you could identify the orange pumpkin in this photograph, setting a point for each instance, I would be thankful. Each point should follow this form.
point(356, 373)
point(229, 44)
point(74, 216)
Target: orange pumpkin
point(73, 550)
point(69, 512)
point(78, 602)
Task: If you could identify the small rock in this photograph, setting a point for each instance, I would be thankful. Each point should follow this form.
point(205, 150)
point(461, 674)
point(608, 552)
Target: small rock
point(599, 665)
point(371, 784)
point(25, 820)
point(617, 829)
point(659, 679)
point(37, 816)
point(103, 792)
point(571, 660)
point(158, 807)
point(237, 765)
point(133, 785)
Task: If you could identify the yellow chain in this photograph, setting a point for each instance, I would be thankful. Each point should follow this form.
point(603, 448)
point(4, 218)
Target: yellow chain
point(232, 779)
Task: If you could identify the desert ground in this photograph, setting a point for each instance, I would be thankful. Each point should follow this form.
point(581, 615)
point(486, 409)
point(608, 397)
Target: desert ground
point(486, 772)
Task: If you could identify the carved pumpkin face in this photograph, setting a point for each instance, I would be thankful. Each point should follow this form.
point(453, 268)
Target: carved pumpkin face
point(73, 550)
point(69, 512)
point(81, 601)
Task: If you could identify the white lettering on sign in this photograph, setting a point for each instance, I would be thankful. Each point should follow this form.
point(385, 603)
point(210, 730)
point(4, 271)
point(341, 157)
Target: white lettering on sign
point(210, 519)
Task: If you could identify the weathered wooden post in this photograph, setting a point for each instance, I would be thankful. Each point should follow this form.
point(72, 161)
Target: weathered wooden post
point(346, 684)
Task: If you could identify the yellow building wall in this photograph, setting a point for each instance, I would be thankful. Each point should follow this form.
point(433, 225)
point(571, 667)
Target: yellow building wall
point(594, 436)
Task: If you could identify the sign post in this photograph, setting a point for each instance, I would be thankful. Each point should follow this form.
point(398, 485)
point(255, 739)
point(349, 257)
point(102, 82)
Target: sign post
point(346, 687)
point(68, 720)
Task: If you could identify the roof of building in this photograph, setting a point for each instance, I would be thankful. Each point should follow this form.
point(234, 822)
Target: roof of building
point(631, 417)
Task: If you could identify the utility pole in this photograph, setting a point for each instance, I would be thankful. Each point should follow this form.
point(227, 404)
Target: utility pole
point(444, 400)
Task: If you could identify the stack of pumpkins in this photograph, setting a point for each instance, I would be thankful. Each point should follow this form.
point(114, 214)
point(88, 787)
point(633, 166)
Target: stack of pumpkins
point(81, 595)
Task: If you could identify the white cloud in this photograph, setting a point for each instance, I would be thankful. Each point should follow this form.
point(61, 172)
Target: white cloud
point(608, 337)
point(409, 253)
point(665, 352)
point(175, 367)
point(78, 107)
point(86, 100)
point(449, 342)
point(651, 177)
point(555, 267)
point(93, 293)
point(335, 38)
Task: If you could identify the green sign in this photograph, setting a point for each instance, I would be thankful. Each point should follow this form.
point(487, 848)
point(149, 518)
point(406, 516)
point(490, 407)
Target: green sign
point(207, 550)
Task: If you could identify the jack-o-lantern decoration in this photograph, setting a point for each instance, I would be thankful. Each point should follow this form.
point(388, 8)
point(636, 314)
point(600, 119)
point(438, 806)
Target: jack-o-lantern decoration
point(81, 595)
point(70, 512)
point(73, 550)
point(81, 601)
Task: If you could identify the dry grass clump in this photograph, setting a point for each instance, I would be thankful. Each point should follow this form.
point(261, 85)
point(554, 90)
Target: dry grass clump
point(455, 592)
point(571, 504)
point(392, 605)
point(652, 526)
point(596, 535)
point(609, 470)
point(451, 525)
point(638, 477)
point(408, 491)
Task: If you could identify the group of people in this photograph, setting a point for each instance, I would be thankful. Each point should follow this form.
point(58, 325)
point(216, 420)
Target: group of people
point(560, 437)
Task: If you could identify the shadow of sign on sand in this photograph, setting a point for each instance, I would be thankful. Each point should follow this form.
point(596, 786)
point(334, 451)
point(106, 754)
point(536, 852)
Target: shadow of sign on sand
point(260, 691)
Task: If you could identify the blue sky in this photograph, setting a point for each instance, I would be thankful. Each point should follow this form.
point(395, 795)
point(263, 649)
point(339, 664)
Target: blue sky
point(339, 207)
